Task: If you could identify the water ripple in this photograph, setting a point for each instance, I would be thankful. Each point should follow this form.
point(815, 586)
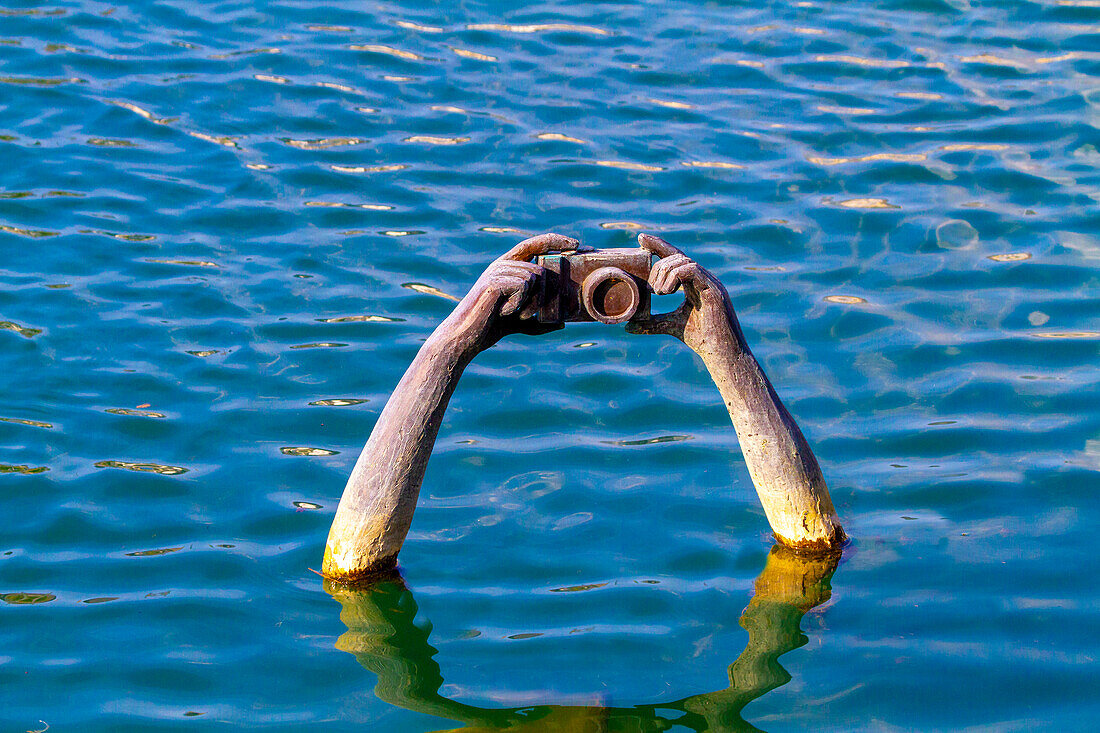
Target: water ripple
point(219, 217)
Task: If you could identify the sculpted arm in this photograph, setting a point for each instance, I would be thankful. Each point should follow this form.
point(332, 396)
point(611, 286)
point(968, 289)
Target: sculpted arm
point(783, 468)
point(377, 505)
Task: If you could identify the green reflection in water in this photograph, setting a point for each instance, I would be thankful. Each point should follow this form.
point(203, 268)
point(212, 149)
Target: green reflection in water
point(382, 636)
point(20, 599)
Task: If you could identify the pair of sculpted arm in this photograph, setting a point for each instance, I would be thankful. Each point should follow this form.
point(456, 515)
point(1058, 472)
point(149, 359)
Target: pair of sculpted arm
point(377, 506)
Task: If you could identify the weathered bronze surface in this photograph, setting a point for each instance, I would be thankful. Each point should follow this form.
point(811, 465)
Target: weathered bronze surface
point(563, 285)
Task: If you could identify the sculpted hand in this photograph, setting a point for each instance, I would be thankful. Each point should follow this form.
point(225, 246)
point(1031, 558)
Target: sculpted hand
point(705, 317)
point(508, 295)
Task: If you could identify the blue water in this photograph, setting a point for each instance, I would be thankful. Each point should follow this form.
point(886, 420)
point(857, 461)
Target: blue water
point(227, 227)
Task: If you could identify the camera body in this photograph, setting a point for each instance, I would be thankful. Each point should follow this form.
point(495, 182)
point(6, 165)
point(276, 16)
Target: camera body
point(605, 285)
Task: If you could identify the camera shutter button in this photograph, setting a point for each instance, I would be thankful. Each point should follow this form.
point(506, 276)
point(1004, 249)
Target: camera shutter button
point(610, 295)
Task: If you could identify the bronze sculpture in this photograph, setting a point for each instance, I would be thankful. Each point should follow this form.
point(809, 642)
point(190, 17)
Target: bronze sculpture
point(517, 295)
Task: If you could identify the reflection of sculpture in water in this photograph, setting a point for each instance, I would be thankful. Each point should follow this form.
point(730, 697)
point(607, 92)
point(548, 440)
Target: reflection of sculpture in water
point(383, 638)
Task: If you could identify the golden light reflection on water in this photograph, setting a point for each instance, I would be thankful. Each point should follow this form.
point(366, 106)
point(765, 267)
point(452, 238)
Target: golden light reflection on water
point(134, 413)
point(436, 140)
point(624, 165)
point(222, 140)
point(1011, 257)
point(21, 598)
point(538, 28)
point(409, 25)
point(320, 345)
point(32, 233)
point(387, 50)
point(930, 96)
point(844, 299)
point(626, 225)
point(1067, 334)
point(124, 237)
point(468, 54)
point(160, 468)
point(838, 110)
point(670, 104)
point(862, 61)
point(502, 230)
point(154, 553)
point(892, 157)
point(39, 81)
point(343, 88)
point(1071, 56)
point(361, 319)
point(301, 450)
point(429, 290)
point(142, 112)
point(994, 60)
point(22, 469)
point(338, 402)
point(368, 168)
point(47, 194)
point(185, 263)
point(16, 12)
point(24, 421)
point(559, 137)
point(340, 204)
point(990, 147)
point(322, 143)
point(244, 52)
point(870, 203)
point(649, 441)
point(24, 331)
point(579, 588)
point(711, 164)
point(106, 142)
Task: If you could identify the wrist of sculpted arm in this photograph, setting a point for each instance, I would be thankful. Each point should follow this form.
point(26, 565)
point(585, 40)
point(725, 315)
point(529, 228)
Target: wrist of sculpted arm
point(465, 332)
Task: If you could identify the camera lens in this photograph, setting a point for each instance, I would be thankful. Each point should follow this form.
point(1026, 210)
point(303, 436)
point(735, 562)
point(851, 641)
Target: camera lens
point(610, 295)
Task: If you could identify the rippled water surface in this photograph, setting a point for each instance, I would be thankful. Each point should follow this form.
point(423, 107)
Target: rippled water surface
point(226, 228)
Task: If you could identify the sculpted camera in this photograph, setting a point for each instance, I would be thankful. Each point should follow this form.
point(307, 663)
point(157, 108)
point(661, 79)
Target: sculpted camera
point(605, 285)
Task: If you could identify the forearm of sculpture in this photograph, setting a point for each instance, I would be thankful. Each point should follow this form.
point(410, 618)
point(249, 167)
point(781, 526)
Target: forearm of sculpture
point(377, 506)
point(781, 463)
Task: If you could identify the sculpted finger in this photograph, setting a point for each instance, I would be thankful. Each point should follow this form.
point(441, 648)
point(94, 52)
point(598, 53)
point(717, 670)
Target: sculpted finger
point(657, 274)
point(515, 300)
point(539, 245)
point(534, 303)
point(518, 268)
point(664, 281)
point(657, 246)
point(692, 275)
point(676, 277)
